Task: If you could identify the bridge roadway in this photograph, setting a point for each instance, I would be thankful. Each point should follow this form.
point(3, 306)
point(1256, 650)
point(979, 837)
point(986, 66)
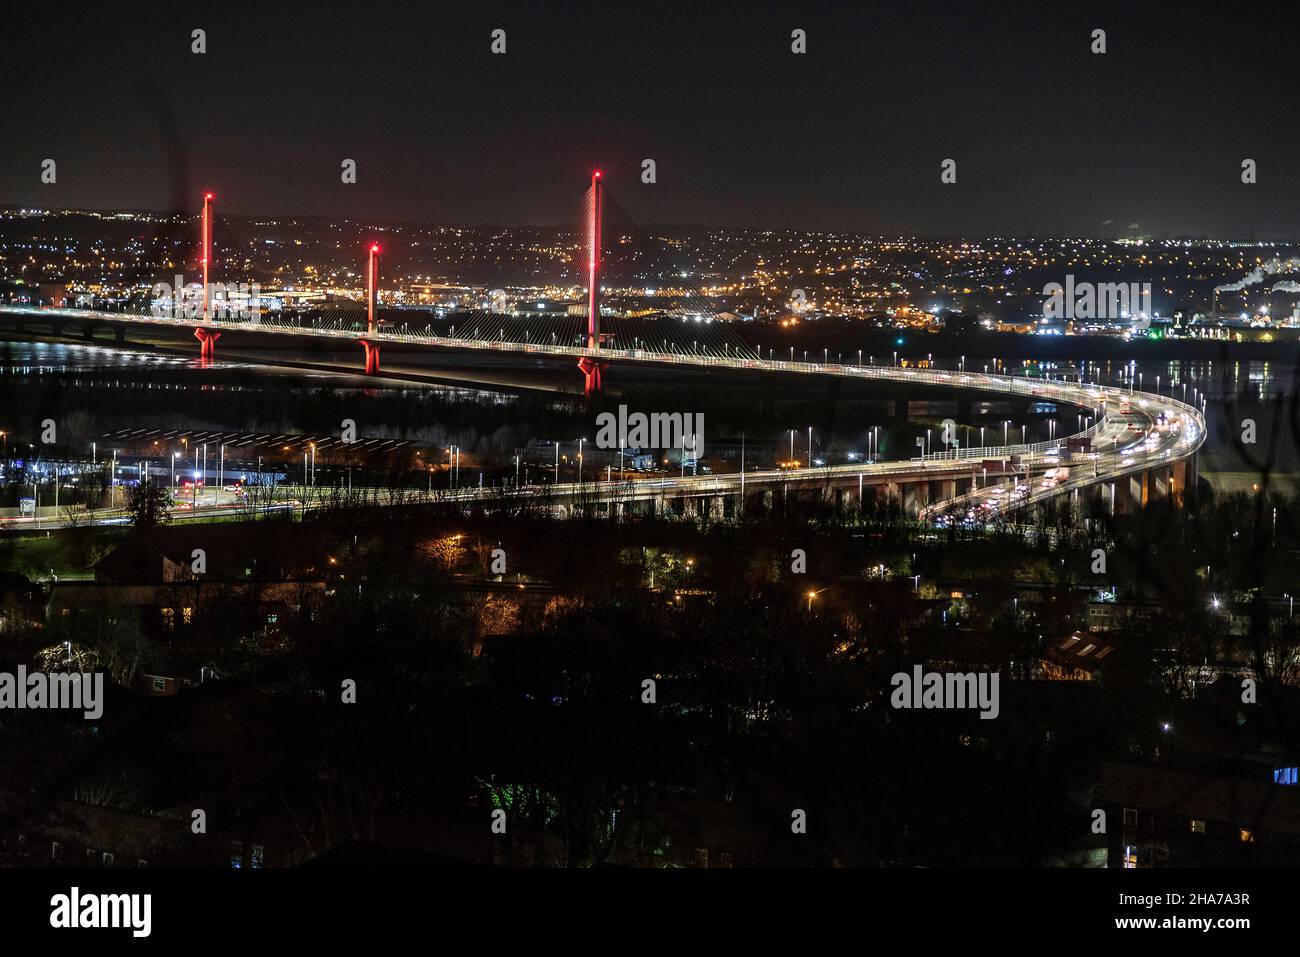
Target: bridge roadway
point(1155, 460)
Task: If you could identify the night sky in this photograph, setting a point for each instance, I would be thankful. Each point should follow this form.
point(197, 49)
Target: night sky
point(1049, 139)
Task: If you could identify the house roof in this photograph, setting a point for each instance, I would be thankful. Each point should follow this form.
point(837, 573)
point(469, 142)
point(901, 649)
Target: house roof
point(1241, 802)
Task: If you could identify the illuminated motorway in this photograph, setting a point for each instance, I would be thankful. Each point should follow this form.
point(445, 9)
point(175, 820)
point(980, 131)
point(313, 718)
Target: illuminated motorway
point(1155, 431)
point(1119, 444)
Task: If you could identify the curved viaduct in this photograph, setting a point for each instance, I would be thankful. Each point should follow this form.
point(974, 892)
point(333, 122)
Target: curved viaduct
point(1142, 446)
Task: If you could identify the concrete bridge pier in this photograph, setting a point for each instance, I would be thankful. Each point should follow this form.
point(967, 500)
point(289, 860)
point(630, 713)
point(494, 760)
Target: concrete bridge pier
point(900, 409)
point(119, 335)
point(1182, 479)
point(916, 495)
point(88, 332)
point(717, 508)
point(207, 342)
point(893, 491)
point(1158, 486)
point(372, 356)
point(1130, 493)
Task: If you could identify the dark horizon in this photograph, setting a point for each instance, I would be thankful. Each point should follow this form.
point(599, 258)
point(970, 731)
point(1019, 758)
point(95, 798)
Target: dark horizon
point(1144, 140)
point(657, 227)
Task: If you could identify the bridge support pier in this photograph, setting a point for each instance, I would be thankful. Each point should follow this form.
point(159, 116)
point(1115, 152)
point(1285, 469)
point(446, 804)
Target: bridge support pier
point(900, 409)
point(916, 495)
point(893, 491)
point(1158, 483)
point(88, 331)
point(119, 335)
point(207, 343)
point(592, 371)
point(1182, 480)
point(1130, 493)
point(372, 356)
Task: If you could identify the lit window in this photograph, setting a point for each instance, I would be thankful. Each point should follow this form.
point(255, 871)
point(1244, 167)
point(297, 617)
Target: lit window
point(1247, 836)
point(1286, 775)
point(1198, 827)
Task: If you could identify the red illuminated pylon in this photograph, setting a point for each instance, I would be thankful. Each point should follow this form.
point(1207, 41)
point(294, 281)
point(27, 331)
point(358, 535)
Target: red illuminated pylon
point(592, 368)
point(207, 253)
point(372, 288)
point(593, 265)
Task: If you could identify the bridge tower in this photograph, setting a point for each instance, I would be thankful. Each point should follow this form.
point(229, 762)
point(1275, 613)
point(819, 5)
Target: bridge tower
point(372, 296)
point(207, 337)
point(372, 288)
point(207, 254)
point(591, 367)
